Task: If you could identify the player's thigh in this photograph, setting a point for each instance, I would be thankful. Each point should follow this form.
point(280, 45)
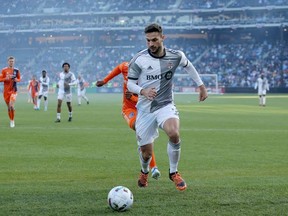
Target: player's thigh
point(45, 94)
point(60, 95)
point(146, 128)
point(166, 113)
point(12, 98)
point(130, 117)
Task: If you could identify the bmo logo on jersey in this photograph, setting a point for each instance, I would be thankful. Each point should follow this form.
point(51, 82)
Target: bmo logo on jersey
point(168, 75)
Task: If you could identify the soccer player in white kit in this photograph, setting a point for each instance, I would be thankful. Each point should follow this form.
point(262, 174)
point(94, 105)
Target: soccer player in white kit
point(81, 90)
point(262, 85)
point(150, 76)
point(44, 90)
point(66, 80)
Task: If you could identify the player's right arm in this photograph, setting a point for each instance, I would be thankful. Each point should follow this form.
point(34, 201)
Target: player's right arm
point(115, 72)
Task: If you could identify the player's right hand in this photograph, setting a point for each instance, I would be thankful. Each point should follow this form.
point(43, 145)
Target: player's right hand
point(128, 94)
point(100, 83)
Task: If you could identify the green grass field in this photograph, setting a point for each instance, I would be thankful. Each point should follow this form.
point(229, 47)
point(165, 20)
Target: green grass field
point(234, 159)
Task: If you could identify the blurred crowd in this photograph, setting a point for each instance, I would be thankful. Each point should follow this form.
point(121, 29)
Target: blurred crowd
point(39, 6)
point(237, 65)
point(94, 54)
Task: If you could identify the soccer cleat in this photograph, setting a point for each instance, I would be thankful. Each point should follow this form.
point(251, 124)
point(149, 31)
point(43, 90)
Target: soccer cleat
point(87, 102)
point(12, 124)
point(178, 180)
point(143, 179)
point(57, 121)
point(155, 173)
point(69, 119)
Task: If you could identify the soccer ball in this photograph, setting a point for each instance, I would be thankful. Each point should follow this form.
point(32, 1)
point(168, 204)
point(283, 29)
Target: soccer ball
point(120, 198)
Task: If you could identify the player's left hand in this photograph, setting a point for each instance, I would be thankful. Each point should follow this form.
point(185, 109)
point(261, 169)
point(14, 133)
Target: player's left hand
point(100, 83)
point(203, 93)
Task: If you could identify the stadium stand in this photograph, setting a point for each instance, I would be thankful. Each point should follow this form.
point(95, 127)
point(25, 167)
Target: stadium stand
point(236, 40)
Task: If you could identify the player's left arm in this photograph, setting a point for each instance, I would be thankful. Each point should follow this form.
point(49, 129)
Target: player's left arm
point(73, 81)
point(115, 72)
point(190, 69)
point(18, 77)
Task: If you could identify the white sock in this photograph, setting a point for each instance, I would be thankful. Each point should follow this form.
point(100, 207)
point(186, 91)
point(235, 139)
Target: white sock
point(79, 100)
point(173, 151)
point(38, 103)
point(70, 114)
point(58, 115)
point(144, 164)
point(264, 100)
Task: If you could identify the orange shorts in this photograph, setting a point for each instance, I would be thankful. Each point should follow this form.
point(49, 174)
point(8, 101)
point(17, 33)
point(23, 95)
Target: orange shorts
point(34, 94)
point(130, 116)
point(10, 97)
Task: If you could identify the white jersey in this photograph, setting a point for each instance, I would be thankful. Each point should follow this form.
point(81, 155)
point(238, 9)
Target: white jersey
point(68, 78)
point(44, 84)
point(262, 85)
point(153, 72)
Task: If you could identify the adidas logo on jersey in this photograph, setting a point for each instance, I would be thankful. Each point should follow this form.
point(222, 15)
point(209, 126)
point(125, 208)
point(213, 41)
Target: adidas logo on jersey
point(150, 68)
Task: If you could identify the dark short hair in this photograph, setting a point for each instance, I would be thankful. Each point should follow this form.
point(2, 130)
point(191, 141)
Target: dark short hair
point(44, 71)
point(65, 63)
point(154, 27)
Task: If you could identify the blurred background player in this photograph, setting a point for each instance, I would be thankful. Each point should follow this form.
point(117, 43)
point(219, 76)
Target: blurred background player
point(81, 90)
point(129, 110)
point(10, 76)
point(262, 85)
point(44, 90)
point(66, 80)
point(34, 87)
point(29, 100)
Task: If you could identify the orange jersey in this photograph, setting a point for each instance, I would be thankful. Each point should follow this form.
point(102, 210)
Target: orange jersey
point(123, 68)
point(10, 85)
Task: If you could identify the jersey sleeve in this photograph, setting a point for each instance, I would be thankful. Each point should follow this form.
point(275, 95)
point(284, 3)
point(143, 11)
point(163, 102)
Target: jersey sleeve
point(73, 80)
point(115, 72)
point(134, 70)
point(190, 69)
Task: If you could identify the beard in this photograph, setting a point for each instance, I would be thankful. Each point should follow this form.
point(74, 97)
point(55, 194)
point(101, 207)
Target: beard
point(155, 50)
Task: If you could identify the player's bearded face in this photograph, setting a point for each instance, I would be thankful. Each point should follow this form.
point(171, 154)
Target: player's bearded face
point(155, 42)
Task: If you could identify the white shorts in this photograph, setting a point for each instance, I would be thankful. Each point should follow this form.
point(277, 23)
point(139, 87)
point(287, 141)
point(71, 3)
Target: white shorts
point(147, 123)
point(43, 93)
point(62, 95)
point(261, 92)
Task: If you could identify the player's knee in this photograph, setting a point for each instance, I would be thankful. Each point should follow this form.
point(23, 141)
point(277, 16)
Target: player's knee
point(146, 153)
point(173, 135)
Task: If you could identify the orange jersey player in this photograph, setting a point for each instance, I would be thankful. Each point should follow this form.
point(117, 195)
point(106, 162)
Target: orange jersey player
point(34, 87)
point(10, 76)
point(129, 110)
